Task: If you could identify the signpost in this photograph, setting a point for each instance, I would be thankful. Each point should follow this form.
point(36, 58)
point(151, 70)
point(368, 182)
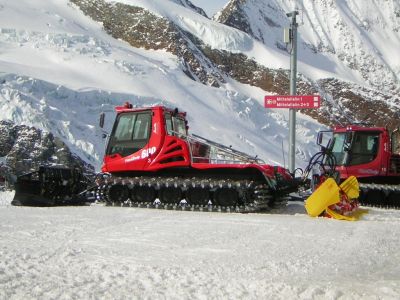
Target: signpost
point(293, 82)
point(294, 102)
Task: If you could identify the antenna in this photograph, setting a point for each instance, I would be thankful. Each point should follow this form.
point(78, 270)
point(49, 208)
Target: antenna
point(301, 10)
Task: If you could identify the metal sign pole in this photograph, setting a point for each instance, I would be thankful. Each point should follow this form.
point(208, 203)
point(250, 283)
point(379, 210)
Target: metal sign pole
point(293, 78)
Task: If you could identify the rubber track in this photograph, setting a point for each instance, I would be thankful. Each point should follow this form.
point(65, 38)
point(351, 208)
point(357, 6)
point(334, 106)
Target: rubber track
point(380, 195)
point(255, 197)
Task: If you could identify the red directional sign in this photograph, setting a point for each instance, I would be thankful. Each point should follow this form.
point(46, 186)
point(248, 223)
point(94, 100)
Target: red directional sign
point(295, 102)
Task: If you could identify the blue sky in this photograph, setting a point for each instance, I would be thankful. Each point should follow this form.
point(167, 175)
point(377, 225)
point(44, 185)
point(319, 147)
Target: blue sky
point(210, 6)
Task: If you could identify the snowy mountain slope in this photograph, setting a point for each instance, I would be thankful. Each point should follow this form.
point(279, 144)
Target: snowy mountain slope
point(211, 7)
point(142, 29)
point(230, 39)
point(189, 4)
point(63, 70)
point(231, 52)
point(363, 89)
point(353, 38)
point(265, 21)
point(57, 47)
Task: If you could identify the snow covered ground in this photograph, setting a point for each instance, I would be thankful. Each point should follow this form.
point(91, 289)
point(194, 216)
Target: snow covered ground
point(118, 253)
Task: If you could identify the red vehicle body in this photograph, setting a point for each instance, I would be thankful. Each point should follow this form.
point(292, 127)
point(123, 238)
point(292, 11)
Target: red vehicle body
point(153, 145)
point(372, 154)
point(162, 143)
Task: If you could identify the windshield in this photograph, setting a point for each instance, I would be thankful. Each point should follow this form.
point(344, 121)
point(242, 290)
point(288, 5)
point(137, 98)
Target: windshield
point(130, 134)
point(362, 148)
point(338, 148)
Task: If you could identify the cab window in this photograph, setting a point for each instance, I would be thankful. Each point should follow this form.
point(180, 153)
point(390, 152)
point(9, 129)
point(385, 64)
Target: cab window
point(364, 148)
point(175, 125)
point(180, 126)
point(168, 123)
point(130, 134)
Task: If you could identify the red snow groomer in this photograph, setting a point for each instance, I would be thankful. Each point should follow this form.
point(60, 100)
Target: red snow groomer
point(151, 160)
point(365, 162)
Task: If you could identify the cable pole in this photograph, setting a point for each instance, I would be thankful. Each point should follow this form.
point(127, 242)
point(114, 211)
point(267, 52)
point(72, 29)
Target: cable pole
point(293, 81)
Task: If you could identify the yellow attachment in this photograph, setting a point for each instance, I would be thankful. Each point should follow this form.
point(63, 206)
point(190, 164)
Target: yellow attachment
point(325, 195)
point(350, 187)
point(352, 190)
point(328, 193)
point(354, 216)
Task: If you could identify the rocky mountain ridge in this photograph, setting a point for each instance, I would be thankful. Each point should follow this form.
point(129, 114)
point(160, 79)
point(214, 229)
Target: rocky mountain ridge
point(25, 148)
point(364, 38)
point(190, 5)
point(376, 103)
point(142, 29)
point(346, 102)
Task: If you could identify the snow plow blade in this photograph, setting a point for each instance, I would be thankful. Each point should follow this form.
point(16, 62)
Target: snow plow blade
point(50, 186)
point(325, 195)
point(352, 190)
point(351, 187)
point(329, 193)
point(355, 216)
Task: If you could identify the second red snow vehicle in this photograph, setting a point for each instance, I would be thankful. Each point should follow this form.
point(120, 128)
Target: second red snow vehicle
point(151, 160)
point(372, 155)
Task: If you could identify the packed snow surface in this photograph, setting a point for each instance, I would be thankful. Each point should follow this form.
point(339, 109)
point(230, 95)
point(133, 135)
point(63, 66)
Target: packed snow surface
point(97, 252)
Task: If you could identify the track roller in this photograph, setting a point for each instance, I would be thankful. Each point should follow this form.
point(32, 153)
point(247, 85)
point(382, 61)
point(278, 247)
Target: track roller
point(170, 195)
point(144, 194)
point(118, 193)
point(226, 197)
point(197, 196)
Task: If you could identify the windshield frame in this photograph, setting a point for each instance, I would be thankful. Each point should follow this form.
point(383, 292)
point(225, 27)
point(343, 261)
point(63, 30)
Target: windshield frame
point(354, 148)
point(131, 132)
point(339, 144)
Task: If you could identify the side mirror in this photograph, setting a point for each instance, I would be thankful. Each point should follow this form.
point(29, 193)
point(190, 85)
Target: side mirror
point(102, 118)
point(324, 139)
point(319, 138)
